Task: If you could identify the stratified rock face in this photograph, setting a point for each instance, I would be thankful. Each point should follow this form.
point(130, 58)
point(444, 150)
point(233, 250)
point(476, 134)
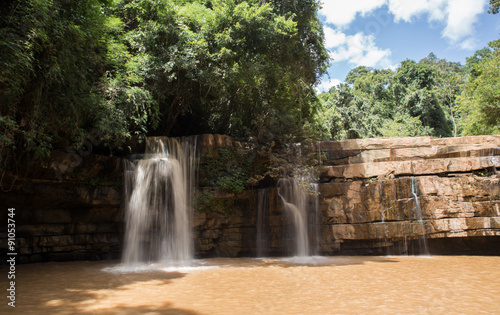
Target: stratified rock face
point(385, 212)
point(367, 205)
point(226, 232)
point(370, 217)
point(368, 158)
point(66, 209)
point(376, 196)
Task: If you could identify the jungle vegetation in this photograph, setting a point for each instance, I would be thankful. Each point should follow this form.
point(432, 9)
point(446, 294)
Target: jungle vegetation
point(126, 69)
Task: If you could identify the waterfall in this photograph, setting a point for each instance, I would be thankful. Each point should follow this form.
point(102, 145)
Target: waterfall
point(295, 200)
point(384, 210)
point(420, 222)
point(315, 222)
point(157, 203)
point(385, 231)
point(262, 239)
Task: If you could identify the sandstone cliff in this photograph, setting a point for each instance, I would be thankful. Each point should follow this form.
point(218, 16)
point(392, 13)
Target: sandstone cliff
point(368, 194)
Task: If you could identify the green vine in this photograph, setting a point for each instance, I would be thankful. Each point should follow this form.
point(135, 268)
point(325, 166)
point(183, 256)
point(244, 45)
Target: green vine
point(207, 203)
point(227, 170)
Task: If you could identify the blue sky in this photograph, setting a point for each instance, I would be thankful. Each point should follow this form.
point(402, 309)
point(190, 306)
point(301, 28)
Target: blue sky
point(382, 33)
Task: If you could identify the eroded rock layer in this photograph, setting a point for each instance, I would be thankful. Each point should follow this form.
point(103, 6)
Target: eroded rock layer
point(376, 196)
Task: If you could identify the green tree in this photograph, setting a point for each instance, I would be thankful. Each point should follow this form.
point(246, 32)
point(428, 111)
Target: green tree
point(415, 100)
point(449, 78)
point(146, 67)
point(427, 90)
point(480, 99)
point(494, 6)
point(223, 66)
point(50, 62)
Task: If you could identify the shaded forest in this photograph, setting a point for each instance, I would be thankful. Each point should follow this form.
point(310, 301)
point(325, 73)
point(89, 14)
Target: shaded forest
point(121, 70)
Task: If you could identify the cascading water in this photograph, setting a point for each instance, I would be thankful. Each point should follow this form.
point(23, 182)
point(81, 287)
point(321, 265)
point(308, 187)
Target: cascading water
point(295, 200)
point(385, 232)
point(158, 212)
point(315, 221)
point(420, 222)
point(262, 241)
point(386, 243)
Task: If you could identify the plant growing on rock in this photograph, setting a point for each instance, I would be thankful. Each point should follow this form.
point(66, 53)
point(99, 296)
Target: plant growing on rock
point(227, 169)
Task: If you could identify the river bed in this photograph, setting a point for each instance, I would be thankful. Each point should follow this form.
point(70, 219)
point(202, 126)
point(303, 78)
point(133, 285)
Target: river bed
point(316, 285)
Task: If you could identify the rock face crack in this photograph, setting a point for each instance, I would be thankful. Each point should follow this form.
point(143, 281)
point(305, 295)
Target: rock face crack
point(361, 208)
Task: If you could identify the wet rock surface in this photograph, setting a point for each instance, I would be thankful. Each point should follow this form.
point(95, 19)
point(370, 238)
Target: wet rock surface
point(68, 208)
point(72, 211)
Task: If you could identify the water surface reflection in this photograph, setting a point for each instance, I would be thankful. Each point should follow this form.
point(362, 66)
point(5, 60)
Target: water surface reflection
point(313, 285)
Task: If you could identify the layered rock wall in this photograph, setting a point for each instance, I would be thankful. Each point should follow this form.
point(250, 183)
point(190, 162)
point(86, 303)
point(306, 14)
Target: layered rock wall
point(367, 199)
point(382, 215)
point(366, 203)
point(368, 194)
point(66, 209)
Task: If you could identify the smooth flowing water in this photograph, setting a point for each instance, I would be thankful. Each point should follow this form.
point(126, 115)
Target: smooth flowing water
point(295, 202)
point(315, 221)
point(262, 235)
point(314, 285)
point(423, 250)
point(158, 213)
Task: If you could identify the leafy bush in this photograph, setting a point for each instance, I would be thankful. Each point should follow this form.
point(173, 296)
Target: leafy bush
point(228, 169)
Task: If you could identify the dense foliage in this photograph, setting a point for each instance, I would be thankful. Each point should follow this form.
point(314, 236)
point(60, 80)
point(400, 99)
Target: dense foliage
point(432, 97)
point(480, 99)
point(51, 57)
point(228, 170)
point(494, 6)
point(115, 69)
point(142, 67)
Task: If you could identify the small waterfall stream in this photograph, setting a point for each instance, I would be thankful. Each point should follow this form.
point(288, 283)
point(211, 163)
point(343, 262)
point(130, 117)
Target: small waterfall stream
point(295, 201)
point(158, 212)
point(315, 222)
point(420, 230)
point(263, 235)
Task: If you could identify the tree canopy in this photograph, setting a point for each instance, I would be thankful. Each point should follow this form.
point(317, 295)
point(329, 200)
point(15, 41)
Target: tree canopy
point(142, 67)
point(494, 6)
point(416, 99)
point(51, 55)
point(480, 99)
point(124, 68)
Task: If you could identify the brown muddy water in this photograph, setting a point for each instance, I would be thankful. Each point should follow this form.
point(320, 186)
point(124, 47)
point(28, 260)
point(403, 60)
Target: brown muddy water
point(316, 285)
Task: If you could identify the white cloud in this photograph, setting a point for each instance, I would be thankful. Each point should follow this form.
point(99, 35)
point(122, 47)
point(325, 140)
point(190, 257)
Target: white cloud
point(470, 43)
point(462, 15)
point(342, 13)
point(406, 10)
point(327, 85)
point(333, 38)
point(358, 49)
point(458, 17)
point(361, 50)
